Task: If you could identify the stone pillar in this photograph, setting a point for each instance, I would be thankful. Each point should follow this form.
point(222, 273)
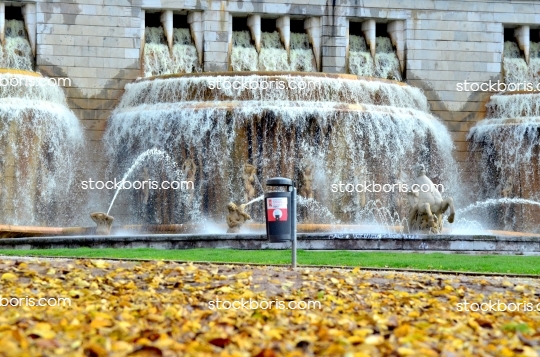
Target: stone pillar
point(523, 38)
point(368, 28)
point(197, 32)
point(312, 26)
point(283, 25)
point(2, 22)
point(217, 39)
point(396, 30)
point(334, 41)
point(29, 14)
point(143, 32)
point(254, 24)
point(167, 23)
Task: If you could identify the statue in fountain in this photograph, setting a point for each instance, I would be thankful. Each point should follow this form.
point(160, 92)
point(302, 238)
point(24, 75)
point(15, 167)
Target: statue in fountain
point(103, 221)
point(249, 177)
point(189, 169)
point(236, 217)
point(426, 208)
point(306, 181)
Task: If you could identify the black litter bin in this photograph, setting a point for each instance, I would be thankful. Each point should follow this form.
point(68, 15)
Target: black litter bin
point(280, 211)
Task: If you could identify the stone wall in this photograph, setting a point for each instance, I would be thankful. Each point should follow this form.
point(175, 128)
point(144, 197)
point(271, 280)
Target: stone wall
point(97, 44)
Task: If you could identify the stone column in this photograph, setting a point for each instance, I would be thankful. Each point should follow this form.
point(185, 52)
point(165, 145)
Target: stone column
point(254, 24)
point(396, 30)
point(334, 42)
point(368, 28)
point(217, 38)
point(197, 32)
point(2, 22)
point(167, 23)
point(143, 32)
point(523, 38)
point(29, 14)
point(283, 25)
point(312, 26)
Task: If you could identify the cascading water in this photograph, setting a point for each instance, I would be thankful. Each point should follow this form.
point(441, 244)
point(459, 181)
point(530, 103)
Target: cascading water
point(184, 54)
point(302, 59)
point(40, 139)
point(386, 61)
point(347, 129)
point(506, 147)
point(361, 63)
point(244, 56)
point(273, 56)
point(360, 60)
point(16, 52)
point(514, 65)
point(534, 65)
point(157, 57)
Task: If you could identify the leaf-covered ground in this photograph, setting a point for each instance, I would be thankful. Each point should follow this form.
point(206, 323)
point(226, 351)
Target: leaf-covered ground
point(162, 309)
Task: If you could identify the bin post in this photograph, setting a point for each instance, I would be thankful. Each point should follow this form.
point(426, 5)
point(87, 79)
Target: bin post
point(293, 224)
point(280, 213)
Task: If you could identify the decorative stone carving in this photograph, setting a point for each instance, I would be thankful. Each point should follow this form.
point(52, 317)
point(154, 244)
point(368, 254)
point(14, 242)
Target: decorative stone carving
point(236, 217)
point(104, 222)
point(426, 208)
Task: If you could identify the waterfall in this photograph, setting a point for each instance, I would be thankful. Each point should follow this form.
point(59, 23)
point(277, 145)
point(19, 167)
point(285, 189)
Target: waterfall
point(273, 56)
point(302, 59)
point(360, 60)
point(361, 63)
point(16, 52)
point(244, 56)
point(40, 144)
point(386, 61)
point(514, 65)
point(158, 59)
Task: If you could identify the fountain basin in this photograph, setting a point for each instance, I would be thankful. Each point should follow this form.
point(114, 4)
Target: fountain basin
point(345, 128)
point(473, 244)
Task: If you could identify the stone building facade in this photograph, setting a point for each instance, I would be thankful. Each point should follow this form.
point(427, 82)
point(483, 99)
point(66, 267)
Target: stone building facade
point(97, 44)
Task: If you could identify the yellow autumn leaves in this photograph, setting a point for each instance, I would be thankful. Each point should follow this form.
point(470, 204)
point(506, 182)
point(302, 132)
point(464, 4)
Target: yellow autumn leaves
point(161, 309)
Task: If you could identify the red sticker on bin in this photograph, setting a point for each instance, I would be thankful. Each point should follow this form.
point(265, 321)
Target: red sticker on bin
point(276, 209)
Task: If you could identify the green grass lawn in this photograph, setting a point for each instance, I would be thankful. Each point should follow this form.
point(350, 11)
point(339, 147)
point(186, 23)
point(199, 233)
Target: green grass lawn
point(437, 261)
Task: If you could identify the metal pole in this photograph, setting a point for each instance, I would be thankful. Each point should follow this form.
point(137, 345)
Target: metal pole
point(293, 224)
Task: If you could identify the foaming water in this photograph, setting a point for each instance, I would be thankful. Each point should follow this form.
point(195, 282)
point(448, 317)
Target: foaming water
point(342, 126)
point(273, 56)
point(385, 65)
point(244, 56)
point(360, 61)
point(40, 142)
point(158, 59)
point(515, 67)
point(386, 61)
point(16, 52)
point(302, 59)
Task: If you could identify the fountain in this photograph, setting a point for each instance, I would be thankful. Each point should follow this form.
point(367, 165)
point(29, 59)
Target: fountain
point(340, 124)
point(505, 147)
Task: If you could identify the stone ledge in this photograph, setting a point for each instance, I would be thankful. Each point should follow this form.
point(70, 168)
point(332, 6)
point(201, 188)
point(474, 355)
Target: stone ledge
point(308, 241)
